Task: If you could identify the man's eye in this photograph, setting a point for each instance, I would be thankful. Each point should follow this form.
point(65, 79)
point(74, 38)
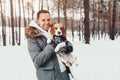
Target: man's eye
point(48, 19)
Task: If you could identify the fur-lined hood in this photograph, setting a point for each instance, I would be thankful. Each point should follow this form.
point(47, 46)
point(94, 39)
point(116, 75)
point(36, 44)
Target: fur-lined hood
point(33, 30)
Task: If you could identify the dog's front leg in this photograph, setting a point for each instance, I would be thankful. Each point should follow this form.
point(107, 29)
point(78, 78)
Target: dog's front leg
point(62, 44)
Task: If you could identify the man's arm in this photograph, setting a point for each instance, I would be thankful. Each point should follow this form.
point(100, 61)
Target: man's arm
point(38, 55)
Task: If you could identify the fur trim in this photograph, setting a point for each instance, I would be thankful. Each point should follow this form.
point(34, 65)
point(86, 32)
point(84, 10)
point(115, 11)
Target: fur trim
point(34, 30)
point(30, 32)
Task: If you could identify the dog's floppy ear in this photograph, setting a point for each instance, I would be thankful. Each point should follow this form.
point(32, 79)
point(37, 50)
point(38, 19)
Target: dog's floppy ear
point(64, 31)
point(52, 31)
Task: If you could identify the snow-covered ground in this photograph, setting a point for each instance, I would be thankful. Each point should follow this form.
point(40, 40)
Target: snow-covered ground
point(99, 60)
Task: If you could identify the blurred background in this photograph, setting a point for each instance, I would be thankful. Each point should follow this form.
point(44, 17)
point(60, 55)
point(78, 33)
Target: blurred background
point(86, 19)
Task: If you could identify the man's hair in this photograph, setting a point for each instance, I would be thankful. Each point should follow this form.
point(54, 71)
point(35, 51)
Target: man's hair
point(42, 11)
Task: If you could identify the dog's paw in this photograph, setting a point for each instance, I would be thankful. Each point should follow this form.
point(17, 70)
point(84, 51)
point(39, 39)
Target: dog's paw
point(62, 44)
point(48, 40)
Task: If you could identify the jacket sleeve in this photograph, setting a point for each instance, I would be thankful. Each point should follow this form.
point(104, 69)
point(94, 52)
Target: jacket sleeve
point(38, 55)
point(69, 47)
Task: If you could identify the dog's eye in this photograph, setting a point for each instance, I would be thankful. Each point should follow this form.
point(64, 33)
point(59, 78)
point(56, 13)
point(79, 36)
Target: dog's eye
point(55, 28)
point(61, 28)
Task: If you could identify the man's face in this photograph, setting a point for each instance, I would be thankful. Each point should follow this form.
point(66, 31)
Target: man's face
point(44, 21)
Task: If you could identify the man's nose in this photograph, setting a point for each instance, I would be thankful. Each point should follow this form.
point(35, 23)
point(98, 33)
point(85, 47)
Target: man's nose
point(46, 21)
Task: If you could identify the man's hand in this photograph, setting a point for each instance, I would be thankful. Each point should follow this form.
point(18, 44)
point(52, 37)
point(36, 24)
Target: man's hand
point(54, 42)
point(60, 45)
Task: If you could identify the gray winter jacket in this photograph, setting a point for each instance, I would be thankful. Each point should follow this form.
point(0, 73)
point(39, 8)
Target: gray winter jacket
point(44, 59)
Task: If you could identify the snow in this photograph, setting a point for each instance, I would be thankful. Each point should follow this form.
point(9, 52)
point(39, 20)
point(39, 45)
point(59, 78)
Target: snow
point(99, 60)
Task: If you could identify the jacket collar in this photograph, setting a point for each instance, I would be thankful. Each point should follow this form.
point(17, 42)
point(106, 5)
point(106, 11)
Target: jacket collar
point(39, 29)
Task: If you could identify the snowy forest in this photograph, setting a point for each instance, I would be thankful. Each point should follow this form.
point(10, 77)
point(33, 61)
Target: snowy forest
point(88, 18)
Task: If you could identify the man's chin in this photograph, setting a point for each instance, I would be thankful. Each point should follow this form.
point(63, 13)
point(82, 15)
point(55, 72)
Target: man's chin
point(46, 29)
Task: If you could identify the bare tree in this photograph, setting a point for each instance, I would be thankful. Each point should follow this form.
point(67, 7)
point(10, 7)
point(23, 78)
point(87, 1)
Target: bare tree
point(3, 24)
point(42, 5)
point(99, 12)
point(58, 10)
point(103, 6)
point(72, 18)
point(28, 9)
point(65, 12)
point(112, 36)
point(32, 9)
point(86, 22)
point(0, 20)
point(9, 24)
point(19, 24)
point(24, 13)
point(16, 22)
point(93, 28)
point(47, 5)
point(39, 5)
point(109, 16)
point(12, 22)
point(80, 22)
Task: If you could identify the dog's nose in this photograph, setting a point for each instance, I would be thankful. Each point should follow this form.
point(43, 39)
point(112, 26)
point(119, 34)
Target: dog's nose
point(59, 32)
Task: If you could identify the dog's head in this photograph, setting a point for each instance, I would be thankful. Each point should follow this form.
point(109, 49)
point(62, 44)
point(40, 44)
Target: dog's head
point(58, 30)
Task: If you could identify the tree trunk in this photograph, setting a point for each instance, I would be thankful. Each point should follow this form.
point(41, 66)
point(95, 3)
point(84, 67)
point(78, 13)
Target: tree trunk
point(93, 28)
point(47, 5)
point(42, 5)
point(39, 4)
point(16, 23)
point(23, 13)
point(58, 11)
point(86, 22)
point(109, 16)
point(72, 19)
point(64, 12)
point(3, 25)
point(32, 4)
point(28, 11)
point(19, 38)
point(98, 29)
point(112, 36)
point(12, 22)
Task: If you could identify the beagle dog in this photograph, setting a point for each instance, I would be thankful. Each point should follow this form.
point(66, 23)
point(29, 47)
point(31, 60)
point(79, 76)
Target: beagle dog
point(58, 31)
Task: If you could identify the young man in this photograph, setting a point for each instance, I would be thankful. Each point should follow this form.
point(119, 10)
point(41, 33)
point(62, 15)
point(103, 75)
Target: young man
point(42, 54)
